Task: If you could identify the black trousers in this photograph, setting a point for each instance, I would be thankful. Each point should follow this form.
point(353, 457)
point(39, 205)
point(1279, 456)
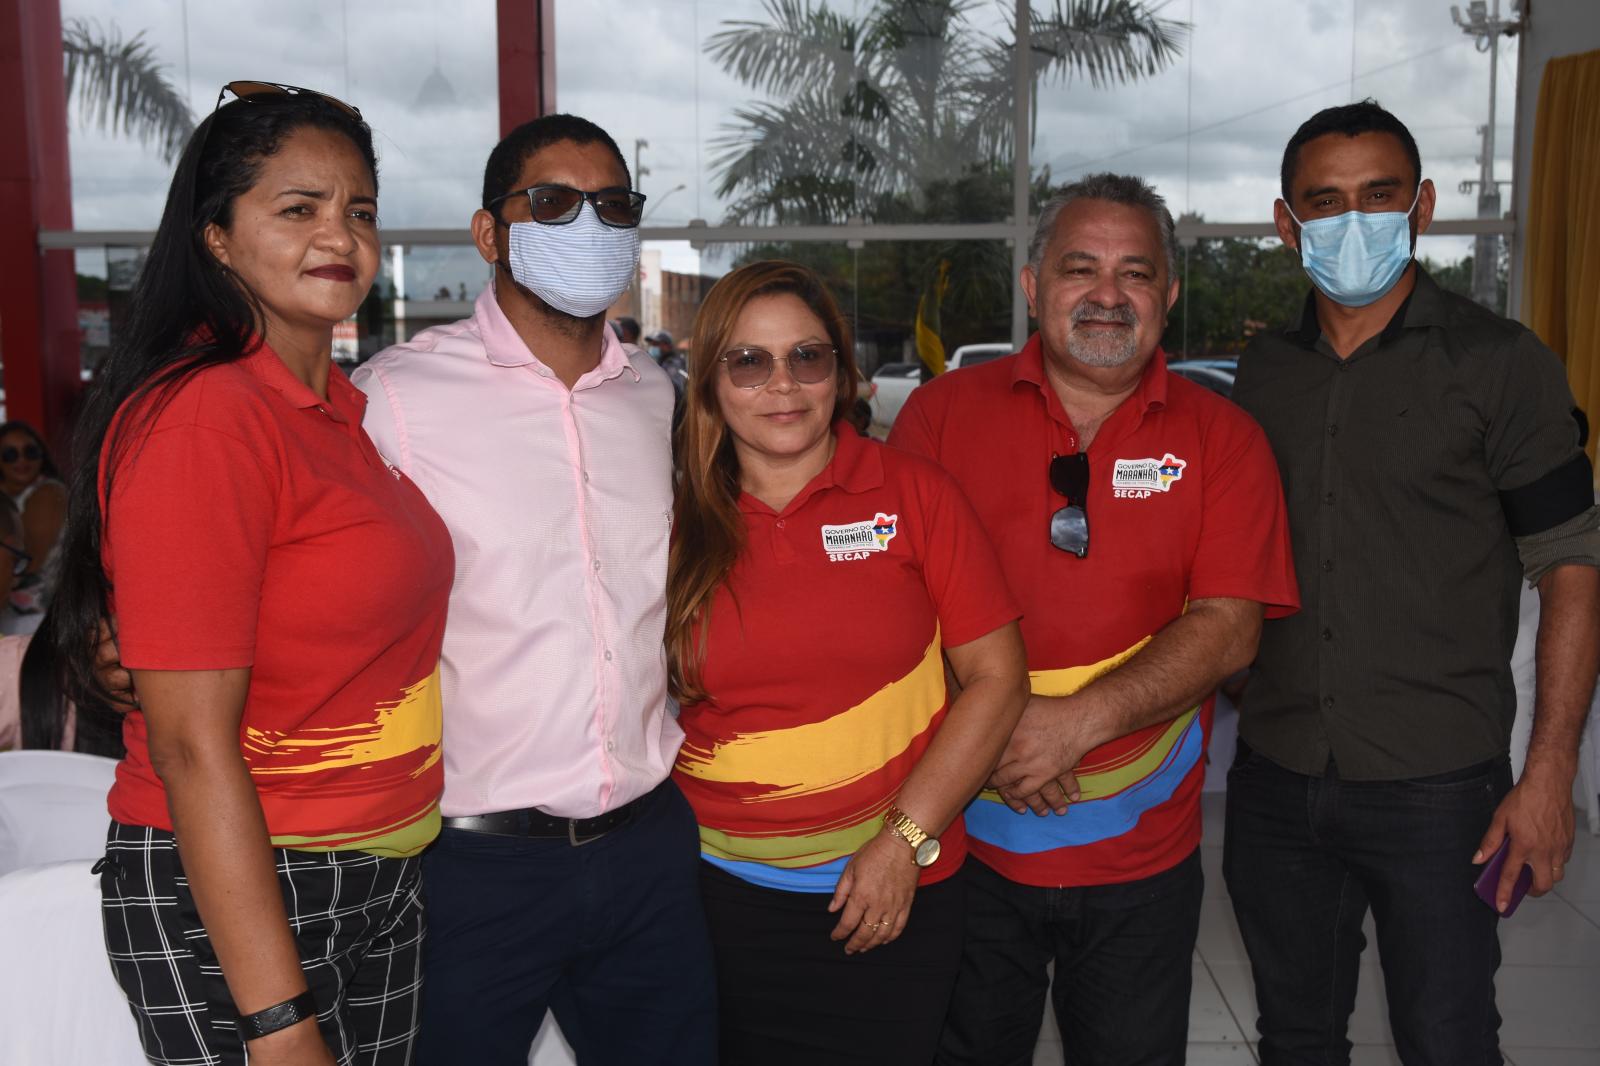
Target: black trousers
point(1304, 858)
point(357, 923)
point(1123, 970)
point(607, 935)
point(787, 994)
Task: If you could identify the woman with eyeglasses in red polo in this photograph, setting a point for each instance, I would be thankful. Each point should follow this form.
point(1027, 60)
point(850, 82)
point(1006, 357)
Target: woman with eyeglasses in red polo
point(279, 598)
point(29, 480)
point(818, 584)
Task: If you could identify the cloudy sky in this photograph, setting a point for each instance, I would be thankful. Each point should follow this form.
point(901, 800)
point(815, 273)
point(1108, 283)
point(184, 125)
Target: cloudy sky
point(1208, 130)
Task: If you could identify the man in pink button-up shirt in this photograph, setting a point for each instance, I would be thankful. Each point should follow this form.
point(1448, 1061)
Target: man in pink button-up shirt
point(566, 873)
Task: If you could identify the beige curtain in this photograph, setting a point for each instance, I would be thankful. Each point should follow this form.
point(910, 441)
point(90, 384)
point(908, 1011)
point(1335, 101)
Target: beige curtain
point(1561, 279)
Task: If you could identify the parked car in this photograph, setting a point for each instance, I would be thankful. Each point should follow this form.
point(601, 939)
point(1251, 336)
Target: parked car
point(1214, 374)
point(893, 382)
point(973, 354)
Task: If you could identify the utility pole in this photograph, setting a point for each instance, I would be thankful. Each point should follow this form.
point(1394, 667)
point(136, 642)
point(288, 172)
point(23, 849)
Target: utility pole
point(1486, 27)
point(639, 171)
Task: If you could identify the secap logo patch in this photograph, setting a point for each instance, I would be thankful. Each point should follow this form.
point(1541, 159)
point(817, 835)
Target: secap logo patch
point(1141, 477)
point(857, 540)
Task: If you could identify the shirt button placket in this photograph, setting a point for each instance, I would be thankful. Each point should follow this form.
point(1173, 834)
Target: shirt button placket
point(1327, 524)
point(782, 549)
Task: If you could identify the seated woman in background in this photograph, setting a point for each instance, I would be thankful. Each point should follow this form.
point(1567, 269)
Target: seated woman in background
point(284, 751)
point(817, 583)
point(28, 478)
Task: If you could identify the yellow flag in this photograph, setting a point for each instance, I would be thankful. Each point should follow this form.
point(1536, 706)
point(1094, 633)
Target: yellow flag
point(930, 349)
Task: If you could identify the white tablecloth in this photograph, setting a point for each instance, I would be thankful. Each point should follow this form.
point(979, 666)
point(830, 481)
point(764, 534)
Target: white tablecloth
point(59, 1004)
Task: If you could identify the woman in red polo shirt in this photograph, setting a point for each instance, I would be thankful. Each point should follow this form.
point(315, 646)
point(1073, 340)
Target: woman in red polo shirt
point(279, 595)
point(818, 583)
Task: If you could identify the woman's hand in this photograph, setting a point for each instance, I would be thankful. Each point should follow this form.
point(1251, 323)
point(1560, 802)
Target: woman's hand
point(874, 893)
point(114, 677)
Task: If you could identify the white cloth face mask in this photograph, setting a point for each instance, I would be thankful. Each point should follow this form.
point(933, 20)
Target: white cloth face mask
point(580, 267)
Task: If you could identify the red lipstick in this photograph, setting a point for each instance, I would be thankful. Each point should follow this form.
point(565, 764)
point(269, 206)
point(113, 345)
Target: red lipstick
point(333, 272)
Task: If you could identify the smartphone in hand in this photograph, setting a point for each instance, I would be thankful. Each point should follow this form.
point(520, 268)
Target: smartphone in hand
point(1488, 882)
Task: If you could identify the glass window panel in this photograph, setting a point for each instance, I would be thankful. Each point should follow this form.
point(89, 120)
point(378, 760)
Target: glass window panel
point(422, 73)
point(106, 273)
point(1452, 261)
point(1235, 288)
point(846, 112)
point(1232, 289)
point(1208, 129)
point(879, 286)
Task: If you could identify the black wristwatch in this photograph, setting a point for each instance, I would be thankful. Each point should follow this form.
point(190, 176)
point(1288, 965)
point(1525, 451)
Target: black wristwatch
point(285, 1014)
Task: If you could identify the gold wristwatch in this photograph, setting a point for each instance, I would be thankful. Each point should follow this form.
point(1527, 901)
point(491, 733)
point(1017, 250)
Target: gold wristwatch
point(924, 848)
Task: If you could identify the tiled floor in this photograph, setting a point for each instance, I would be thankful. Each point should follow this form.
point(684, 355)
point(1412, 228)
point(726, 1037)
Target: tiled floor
point(1549, 985)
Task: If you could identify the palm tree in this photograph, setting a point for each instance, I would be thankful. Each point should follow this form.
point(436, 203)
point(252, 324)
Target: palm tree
point(904, 113)
point(878, 108)
point(122, 88)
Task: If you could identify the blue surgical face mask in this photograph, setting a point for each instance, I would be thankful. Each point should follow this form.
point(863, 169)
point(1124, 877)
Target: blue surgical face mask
point(580, 268)
point(1356, 257)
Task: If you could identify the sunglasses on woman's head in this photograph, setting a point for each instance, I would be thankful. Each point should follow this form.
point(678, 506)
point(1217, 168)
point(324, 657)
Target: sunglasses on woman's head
point(251, 91)
point(557, 205)
point(29, 452)
point(260, 91)
point(751, 368)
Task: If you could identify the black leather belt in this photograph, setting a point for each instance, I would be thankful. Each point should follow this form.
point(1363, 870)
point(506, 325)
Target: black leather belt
point(531, 822)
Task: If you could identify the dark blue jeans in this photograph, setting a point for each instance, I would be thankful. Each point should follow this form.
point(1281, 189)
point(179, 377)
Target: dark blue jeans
point(1123, 959)
point(609, 935)
point(1304, 858)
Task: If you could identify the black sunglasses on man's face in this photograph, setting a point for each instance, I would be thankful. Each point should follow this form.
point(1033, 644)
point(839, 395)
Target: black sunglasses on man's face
point(1069, 526)
point(557, 205)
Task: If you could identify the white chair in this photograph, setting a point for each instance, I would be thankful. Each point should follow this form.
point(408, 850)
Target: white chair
point(52, 807)
point(59, 1004)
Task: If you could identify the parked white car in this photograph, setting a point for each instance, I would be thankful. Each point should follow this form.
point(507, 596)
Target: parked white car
point(893, 382)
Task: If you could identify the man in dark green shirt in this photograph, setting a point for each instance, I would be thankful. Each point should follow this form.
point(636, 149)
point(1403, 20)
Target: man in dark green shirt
point(1431, 461)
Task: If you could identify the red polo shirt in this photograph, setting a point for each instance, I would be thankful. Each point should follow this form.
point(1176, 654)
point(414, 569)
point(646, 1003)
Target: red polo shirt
point(253, 524)
point(1184, 503)
point(824, 665)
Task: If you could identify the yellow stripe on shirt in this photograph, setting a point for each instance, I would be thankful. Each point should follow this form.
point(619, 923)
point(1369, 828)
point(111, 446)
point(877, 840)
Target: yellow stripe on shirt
point(807, 759)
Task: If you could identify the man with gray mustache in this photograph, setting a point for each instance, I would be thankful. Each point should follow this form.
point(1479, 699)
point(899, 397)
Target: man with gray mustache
point(1141, 525)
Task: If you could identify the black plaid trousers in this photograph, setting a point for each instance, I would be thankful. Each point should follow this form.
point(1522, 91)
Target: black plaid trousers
point(357, 921)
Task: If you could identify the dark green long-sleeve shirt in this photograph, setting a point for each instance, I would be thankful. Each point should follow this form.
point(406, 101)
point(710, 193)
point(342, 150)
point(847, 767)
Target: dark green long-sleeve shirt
point(1412, 470)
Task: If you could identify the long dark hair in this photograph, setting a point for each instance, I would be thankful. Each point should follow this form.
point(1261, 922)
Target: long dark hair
point(187, 312)
point(707, 529)
point(97, 730)
point(47, 466)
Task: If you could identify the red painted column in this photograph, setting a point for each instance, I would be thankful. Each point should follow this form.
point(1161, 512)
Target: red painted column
point(39, 340)
point(526, 45)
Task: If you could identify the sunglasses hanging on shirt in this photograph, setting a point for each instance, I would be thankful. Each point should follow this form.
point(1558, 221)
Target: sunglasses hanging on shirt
point(1069, 526)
